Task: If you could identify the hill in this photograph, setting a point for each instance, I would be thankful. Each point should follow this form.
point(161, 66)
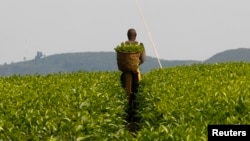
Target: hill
point(106, 61)
point(86, 61)
point(235, 55)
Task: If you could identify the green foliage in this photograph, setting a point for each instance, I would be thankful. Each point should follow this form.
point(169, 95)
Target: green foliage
point(75, 106)
point(129, 48)
point(178, 103)
point(173, 104)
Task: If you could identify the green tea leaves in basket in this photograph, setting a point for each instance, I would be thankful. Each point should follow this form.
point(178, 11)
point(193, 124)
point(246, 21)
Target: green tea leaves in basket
point(129, 48)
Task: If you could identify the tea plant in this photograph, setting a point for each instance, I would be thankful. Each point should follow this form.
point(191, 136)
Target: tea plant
point(173, 104)
point(76, 106)
point(178, 103)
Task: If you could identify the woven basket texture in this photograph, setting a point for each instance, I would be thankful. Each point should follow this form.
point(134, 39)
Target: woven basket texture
point(128, 61)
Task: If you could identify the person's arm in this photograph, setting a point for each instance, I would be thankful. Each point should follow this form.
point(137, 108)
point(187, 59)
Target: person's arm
point(143, 54)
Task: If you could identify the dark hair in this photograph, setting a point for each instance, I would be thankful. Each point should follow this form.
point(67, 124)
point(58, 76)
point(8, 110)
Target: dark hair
point(131, 33)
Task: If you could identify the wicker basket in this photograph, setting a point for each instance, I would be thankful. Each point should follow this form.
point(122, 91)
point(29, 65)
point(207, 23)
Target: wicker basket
point(128, 61)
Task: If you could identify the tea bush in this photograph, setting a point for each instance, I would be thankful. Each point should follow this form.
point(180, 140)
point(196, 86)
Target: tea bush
point(179, 103)
point(74, 106)
point(176, 103)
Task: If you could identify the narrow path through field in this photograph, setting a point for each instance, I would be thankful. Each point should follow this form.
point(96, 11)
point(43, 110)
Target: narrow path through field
point(132, 117)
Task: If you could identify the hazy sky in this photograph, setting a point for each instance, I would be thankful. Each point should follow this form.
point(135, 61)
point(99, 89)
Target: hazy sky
point(181, 29)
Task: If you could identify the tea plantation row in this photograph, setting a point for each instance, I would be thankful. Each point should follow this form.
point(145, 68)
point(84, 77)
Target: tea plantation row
point(173, 104)
point(76, 106)
point(179, 103)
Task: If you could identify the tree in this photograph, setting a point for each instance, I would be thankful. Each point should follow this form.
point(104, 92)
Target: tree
point(38, 56)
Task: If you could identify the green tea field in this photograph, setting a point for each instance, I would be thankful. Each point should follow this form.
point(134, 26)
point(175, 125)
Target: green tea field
point(176, 103)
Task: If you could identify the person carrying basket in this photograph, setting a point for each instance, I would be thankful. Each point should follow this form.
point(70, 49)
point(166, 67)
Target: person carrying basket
point(132, 64)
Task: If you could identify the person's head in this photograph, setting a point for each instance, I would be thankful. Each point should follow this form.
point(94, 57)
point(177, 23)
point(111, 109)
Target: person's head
point(131, 34)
